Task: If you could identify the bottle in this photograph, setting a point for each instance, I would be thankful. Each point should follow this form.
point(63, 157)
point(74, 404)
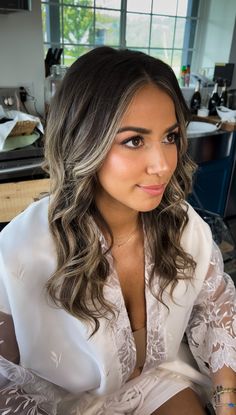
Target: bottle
point(57, 72)
point(187, 76)
point(196, 99)
point(214, 100)
point(182, 75)
point(224, 96)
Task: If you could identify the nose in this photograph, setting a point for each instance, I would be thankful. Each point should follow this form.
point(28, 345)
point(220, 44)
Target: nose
point(157, 161)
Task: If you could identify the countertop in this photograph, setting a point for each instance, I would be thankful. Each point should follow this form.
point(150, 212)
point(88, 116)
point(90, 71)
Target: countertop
point(15, 197)
point(226, 126)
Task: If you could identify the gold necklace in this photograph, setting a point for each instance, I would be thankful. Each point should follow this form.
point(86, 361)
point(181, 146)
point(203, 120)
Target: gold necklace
point(119, 242)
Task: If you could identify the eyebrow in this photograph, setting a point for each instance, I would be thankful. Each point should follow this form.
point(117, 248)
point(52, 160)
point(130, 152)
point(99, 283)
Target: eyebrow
point(145, 130)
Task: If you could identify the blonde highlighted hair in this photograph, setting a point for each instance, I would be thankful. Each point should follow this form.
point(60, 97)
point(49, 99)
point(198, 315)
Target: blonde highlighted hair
point(83, 120)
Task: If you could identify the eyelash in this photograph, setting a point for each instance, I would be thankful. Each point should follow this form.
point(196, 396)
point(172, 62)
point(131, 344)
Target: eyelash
point(131, 139)
point(174, 135)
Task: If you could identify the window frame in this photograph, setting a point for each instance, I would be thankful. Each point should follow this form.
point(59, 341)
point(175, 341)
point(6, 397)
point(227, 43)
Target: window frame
point(54, 35)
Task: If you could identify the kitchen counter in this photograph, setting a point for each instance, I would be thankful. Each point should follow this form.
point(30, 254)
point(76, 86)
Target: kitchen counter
point(16, 196)
point(226, 126)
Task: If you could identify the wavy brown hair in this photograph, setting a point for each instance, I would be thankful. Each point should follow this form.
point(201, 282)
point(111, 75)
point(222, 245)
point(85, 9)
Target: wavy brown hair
point(83, 120)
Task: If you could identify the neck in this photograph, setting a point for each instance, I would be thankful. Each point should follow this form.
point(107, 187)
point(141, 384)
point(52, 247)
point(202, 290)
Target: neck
point(120, 219)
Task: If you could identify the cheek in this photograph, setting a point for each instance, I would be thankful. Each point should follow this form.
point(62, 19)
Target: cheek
point(173, 159)
point(117, 166)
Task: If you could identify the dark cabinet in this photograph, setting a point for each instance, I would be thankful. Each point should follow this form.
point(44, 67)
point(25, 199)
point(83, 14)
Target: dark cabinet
point(215, 156)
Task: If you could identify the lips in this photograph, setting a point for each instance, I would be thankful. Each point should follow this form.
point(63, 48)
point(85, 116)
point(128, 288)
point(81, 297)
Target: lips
point(153, 190)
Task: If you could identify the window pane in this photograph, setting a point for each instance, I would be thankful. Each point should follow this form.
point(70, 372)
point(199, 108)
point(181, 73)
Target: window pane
point(144, 50)
point(112, 4)
point(107, 27)
point(71, 53)
point(164, 55)
point(177, 62)
point(139, 6)
point(78, 25)
point(162, 32)
point(137, 30)
point(168, 7)
point(179, 33)
point(182, 7)
point(44, 9)
point(89, 3)
point(45, 48)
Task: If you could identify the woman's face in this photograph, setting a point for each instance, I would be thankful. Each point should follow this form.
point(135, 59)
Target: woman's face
point(143, 156)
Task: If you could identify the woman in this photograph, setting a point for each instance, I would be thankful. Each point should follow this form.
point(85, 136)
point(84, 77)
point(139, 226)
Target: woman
point(109, 282)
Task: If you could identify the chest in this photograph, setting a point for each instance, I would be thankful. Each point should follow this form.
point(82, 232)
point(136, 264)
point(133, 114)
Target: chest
point(105, 360)
point(130, 270)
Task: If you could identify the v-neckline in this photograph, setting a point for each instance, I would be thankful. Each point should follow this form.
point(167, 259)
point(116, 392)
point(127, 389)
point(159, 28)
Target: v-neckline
point(123, 335)
point(123, 310)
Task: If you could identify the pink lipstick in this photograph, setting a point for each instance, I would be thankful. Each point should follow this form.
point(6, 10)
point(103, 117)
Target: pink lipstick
point(154, 190)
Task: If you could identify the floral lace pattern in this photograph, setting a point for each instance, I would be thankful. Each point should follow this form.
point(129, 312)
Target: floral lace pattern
point(21, 391)
point(156, 350)
point(125, 401)
point(124, 338)
point(211, 333)
point(25, 393)
point(211, 330)
point(120, 326)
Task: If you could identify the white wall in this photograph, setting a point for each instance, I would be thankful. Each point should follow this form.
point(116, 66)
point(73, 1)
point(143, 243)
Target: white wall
point(214, 35)
point(21, 52)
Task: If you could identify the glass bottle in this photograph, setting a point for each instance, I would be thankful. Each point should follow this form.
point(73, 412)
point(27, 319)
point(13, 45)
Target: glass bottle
point(196, 99)
point(182, 75)
point(224, 96)
point(57, 72)
point(187, 76)
point(214, 100)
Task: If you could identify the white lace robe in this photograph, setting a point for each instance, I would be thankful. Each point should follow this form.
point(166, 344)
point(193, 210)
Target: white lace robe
point(50, 365)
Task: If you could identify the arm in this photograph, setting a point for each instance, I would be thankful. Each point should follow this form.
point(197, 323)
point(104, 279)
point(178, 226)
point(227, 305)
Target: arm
point(212, 330)
point(227, 377)
point(13, 378)
point(21, 391)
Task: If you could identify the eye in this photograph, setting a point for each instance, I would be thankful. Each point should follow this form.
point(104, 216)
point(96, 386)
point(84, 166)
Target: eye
point(171, 138)
point(133, 142)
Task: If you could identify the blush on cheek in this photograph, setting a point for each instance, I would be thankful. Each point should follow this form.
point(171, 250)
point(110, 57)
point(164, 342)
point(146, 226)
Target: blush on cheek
point(118, 165)
point(174, 160)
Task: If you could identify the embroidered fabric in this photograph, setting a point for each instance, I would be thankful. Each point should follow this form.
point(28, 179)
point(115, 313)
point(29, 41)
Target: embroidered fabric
point(156, 348)
point(123, 336)
point(121, 328)
point(211, 331)
point(24, 393)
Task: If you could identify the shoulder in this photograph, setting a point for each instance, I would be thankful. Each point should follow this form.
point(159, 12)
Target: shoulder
point(195, 222)
point(196, 239)
point(27, 232)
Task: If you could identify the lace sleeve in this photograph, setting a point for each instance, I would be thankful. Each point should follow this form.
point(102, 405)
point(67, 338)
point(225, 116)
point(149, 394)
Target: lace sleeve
point(211, 330)
point(21, 391)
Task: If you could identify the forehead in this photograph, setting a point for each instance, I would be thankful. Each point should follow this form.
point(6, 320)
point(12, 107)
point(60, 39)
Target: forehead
point(150, 103)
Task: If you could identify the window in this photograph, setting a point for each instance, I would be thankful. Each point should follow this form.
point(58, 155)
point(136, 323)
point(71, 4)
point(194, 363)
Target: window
point(161, 28)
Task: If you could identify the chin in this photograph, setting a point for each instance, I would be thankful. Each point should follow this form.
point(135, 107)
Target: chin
point(148, 210)
point(149, 207)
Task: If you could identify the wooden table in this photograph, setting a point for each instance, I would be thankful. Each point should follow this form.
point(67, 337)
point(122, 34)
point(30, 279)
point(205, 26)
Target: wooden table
point(15, 197)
